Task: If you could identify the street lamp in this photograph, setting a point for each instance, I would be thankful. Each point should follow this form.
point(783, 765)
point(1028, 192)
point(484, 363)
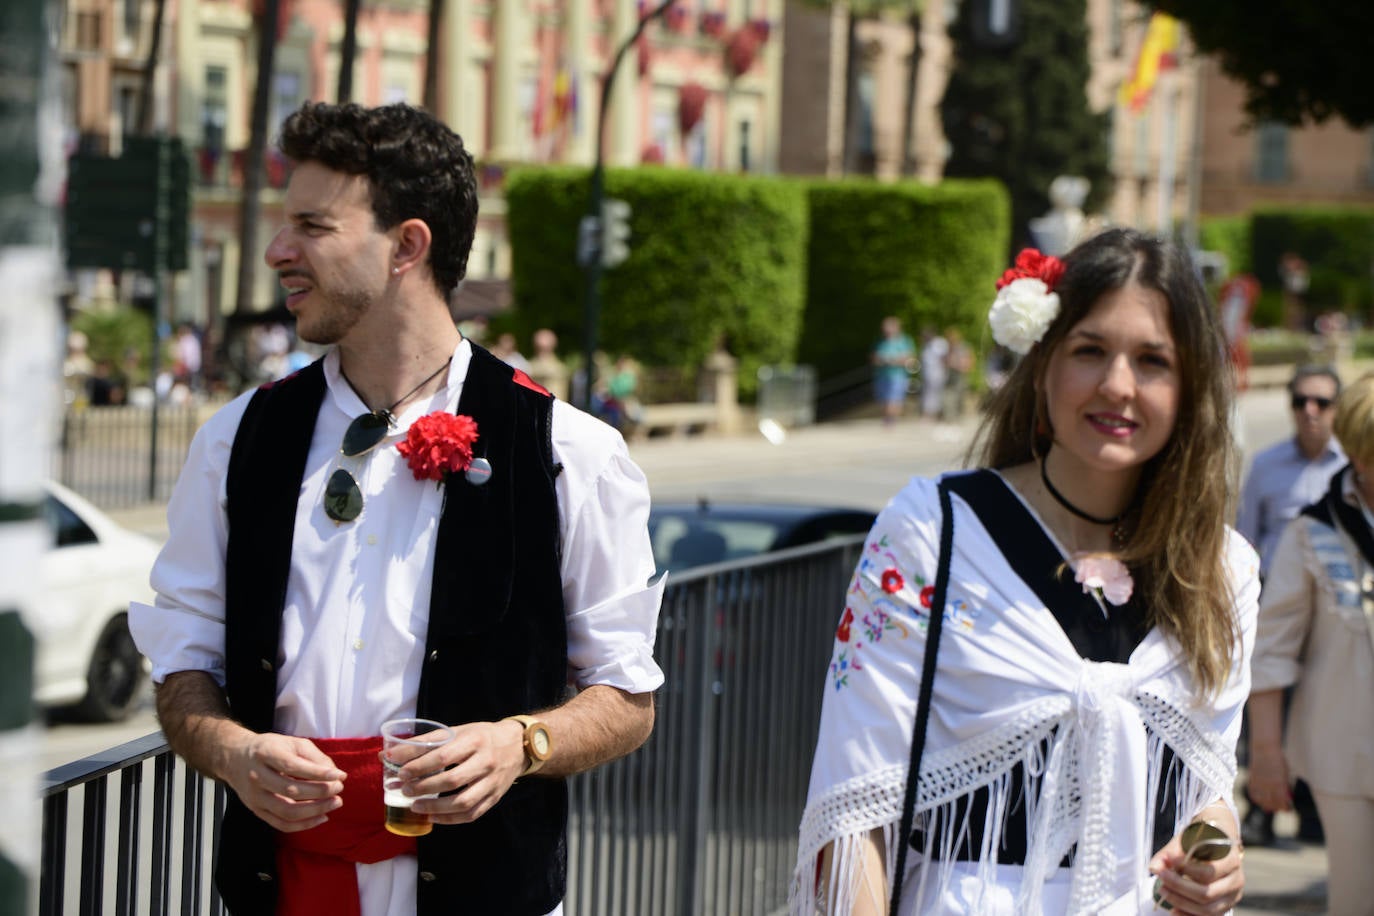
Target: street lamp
point(592, 231)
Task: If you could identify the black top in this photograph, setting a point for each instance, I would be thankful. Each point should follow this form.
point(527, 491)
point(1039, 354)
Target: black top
point(1112, 637)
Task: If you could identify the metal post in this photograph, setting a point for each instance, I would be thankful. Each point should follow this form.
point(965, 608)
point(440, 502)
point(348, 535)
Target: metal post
point(30, 378)
point(598, 192)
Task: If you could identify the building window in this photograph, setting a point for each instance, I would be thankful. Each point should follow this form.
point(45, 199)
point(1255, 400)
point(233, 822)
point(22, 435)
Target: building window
point(127, 111)
point(1114, 37)
point(1271, 152)
point(286, 94)
point(744, 163)
point(214, 116)
point(866, 148)
point(214, 109)
point(130, 23)
point(695, 146)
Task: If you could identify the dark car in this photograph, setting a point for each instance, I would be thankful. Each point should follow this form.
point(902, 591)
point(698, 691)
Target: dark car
point(685, 535)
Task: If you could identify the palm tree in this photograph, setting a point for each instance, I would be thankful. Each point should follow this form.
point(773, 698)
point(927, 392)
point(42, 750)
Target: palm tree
point(349, 50)
point(913, 19)
point(434, 36)
point(145, 89)
point(251, 205)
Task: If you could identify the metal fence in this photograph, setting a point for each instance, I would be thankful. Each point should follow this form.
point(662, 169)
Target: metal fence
point(106, 453)
point(701, 820)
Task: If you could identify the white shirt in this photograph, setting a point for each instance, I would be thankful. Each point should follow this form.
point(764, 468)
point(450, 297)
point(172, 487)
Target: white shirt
point(357, 600)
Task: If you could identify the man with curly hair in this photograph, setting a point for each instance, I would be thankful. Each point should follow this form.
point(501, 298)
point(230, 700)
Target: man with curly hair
point(407, 527)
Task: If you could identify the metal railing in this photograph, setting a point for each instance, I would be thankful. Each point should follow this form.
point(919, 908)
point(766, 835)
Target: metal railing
point(701, 820)
point(106, 453)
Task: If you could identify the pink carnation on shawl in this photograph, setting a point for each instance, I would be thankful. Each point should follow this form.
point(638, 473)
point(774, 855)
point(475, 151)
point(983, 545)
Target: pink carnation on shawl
point(1105, 575)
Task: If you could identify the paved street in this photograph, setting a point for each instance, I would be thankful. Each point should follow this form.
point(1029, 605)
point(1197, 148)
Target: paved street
point(862, 463)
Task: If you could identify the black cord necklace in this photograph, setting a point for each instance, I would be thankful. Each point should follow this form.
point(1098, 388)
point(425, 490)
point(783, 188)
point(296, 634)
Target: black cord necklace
point(387, 413)
point(1059, 498)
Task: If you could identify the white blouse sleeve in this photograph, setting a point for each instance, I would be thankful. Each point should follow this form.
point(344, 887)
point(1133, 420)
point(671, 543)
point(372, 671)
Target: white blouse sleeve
point(610, 601)
point(183, 630)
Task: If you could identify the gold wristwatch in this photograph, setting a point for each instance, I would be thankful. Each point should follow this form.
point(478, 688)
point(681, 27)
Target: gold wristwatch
point(538, 742)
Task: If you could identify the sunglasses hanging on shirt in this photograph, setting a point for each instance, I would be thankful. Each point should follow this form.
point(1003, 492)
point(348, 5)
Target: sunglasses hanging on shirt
point(343, 498)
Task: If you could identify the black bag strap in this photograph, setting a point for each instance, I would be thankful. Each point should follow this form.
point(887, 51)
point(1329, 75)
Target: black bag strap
point(918, 732)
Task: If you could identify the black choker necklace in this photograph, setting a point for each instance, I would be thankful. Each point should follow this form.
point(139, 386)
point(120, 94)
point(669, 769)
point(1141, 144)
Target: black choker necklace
point(1059, 498)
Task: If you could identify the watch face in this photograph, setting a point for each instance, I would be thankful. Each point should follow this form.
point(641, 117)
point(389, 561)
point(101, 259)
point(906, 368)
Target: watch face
point(539, 742)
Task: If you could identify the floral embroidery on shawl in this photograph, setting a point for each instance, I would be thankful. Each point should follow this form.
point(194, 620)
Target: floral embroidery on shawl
point(881, 594)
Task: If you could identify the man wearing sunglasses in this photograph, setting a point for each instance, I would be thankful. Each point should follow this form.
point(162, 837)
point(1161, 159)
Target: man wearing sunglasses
point(1282, 480)
point(319, 579)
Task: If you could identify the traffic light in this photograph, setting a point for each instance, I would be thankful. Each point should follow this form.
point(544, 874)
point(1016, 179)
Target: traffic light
point(588, 240)
point(615, 232)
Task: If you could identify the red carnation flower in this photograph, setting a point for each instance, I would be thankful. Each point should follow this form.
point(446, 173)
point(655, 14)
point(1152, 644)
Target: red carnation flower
point(842, 632)
point(927, 593)
point(892, 581)
point(1031, 263)
point(438, 444)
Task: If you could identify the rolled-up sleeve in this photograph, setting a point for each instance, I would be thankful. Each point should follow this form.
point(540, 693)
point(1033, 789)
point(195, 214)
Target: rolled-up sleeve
point(1287, 604)
point(610, 599)
point(183, 629)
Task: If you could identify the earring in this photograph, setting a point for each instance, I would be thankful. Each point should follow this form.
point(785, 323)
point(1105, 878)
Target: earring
point(396, 271)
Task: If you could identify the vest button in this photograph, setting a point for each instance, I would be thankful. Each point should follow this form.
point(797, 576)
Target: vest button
point(427, 876)
point(434, 655)
point(264, 876)
point(266, 665)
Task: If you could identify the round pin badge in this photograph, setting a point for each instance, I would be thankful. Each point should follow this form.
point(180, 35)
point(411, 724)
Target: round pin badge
point(478, 472)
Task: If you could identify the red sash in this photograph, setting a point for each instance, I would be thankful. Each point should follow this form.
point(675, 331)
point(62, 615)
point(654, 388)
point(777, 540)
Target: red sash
point(317, 866)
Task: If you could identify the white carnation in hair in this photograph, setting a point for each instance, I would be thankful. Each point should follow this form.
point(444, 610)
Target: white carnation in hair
point(1021, 314)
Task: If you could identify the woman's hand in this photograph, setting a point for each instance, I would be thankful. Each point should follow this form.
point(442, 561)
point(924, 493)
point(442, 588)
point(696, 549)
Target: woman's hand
point(1269, 785)
point(1190, 886)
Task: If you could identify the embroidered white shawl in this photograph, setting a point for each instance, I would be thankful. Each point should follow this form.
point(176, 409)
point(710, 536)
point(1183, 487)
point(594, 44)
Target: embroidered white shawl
point(1010, 688)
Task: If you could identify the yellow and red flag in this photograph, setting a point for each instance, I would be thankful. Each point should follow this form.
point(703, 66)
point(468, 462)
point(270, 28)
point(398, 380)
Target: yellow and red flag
point(1158, 52)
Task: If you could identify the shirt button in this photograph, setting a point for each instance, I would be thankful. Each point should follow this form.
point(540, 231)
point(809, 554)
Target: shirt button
point(434, 655)
point(357, 644)
point(264, 876)
point(372, 540)
point(427, 876)
point(266, 665)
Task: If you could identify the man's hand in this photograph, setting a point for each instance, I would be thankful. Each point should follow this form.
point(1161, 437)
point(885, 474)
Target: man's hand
point(485, 758)
point(288, 782)
point(1268, 785)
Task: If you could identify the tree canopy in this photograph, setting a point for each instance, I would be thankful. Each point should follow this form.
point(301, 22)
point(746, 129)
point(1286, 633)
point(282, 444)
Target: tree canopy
point(1299, 60)
point(1016, 107)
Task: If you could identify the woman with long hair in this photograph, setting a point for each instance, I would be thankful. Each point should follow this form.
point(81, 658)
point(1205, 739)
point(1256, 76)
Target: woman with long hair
point(1087, 690)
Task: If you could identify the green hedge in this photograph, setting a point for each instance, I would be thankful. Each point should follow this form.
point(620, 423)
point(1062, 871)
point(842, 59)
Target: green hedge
point(710, 255)
point(1336, 242)
point(930, 255)
point(1229, 235)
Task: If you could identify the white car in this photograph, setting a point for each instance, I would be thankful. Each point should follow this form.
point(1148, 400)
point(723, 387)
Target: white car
point(85, 657)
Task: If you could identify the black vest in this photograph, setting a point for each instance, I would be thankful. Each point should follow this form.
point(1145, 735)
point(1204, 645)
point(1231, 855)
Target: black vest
point(496, 644)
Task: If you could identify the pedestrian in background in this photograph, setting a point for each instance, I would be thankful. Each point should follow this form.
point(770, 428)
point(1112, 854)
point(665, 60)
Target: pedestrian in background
point(406, 527)
point(934, 372)
point(893, 358)
point(1075, 728)
point(959, 364)
point(545, 366)
point(1316, 635)
point(1282, 480)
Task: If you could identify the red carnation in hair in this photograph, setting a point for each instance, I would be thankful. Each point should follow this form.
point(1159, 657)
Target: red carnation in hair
point(438, 444)
point(1031, 263)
